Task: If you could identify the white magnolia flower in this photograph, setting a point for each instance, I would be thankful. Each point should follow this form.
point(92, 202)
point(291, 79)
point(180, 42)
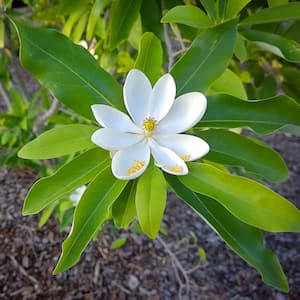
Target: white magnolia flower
point(76, 195)
point(154, 127)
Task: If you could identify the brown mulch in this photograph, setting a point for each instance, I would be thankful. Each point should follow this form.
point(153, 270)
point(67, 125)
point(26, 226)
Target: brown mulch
point(141, 269)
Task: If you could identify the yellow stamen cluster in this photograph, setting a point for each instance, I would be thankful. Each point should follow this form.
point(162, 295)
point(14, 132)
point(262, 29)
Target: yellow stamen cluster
point(185, 157)
point(138, 164)
point(176, 169)
point(149, 125)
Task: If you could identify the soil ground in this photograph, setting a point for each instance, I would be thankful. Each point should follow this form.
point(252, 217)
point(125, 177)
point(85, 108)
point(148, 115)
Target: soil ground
point(142, 268)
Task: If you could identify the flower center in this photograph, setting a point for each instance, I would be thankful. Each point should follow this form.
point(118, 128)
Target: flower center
point(149, 125)
point(138, 164)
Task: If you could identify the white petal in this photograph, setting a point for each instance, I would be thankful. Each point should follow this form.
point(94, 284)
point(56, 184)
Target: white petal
point(131, 162)
point(162, 97)
point(188, 147)
point(137, 90)
point(110, 139)
point(186, 111)
point(110, 117)
point(168, 160)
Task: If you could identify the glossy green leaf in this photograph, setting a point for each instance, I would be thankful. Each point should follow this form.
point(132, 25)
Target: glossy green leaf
point(92, 211)
point(274, 43)
point(188, 15)
point(150, 200)
point(79, 171)
point(59, 141)
point(233, 7)
point(233, 149)
point(290, 11)
point(122, 17)
point(263, 116)
point(123, 209)
point(206, 59)
point(240, 49)
point(228, 83)
point(150, 56)
point(245, 240)
point(251, 202)
point(69, 71)
point(209, 6)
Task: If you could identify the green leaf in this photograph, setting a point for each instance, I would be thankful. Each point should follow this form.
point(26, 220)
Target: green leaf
point(290, 11)
point(240, 49)
point(150, 200)
point(206, 59)
point(234, 7)
point(122, 17)
point(228, 83)
point(69, 71)
point(46, 214)
point(243, 239)
point(59, 141)
point(277, 2)
point(151, 21)
point(209, 6)
point(97, 9)
point(123, 209)
point(1, 34)
point(188, 15)
point(118, 243)
point(233, 149)
point(274, 43)
point(251, 202)
point(72, 175)
point(150, 56)
point(92, 211)
point(263, 116)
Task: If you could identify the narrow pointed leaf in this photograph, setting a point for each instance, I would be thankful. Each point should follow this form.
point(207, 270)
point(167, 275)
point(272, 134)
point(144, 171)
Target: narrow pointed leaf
point(188, 15)
point(150, 201)
point(209, 6)
point(92, 211)
point(263, 116)
point(150, 56)
point(278, 45)
point(72, 175)
point(123, 209)
point(69, 71)
point(245, 240)
point(206, 59)
point(233, 149)
point(233, 7)
point(59, 141)
point(290, 11)
point(251, 202)
point(122, 17)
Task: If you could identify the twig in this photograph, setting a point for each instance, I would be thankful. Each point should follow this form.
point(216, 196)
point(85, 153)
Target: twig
point(15, 63)
point(4, 95)
point(177, 266)
point(23, 272)
point(168, 46)
point(179, 38)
